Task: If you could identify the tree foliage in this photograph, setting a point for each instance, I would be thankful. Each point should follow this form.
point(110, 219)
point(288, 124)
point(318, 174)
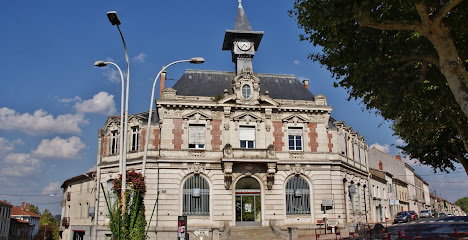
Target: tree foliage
point(404, 59)
point(34, 209)
point(48, 227)
point(463, 204)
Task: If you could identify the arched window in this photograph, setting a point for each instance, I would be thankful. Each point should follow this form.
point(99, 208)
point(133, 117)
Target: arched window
point(297, 196)
point(196, 196)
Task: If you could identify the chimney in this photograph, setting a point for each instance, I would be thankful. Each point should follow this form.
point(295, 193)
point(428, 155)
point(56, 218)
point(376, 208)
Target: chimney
point(22, 205)
point(398, 157)
point(162, 83)
point(27, 207)
point(306, 83)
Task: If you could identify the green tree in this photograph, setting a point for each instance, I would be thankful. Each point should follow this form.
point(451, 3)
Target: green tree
point(48, 227)
point(463, 203)
point(34, 209)
point(407, 60)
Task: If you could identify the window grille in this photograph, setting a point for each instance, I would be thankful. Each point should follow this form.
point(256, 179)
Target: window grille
point(295, 139)
point(135, 138)
point(196, 196)
point(297, 196)
point(247, 137)
point(197, 136)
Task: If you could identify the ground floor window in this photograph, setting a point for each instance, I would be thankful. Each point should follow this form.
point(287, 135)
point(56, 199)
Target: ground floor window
point(297, 196)
point(196, 196)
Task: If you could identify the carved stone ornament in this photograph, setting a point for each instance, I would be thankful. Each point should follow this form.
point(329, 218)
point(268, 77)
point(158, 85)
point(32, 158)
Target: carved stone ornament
point(271, 175)
point(226, 127)
point(196, 168)
point(297, 169)
point(227, 151)
point(271, 151)
point(227, 175)
point(268, 127)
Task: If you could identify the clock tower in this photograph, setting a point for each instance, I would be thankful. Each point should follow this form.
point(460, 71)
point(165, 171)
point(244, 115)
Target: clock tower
point(242, 41)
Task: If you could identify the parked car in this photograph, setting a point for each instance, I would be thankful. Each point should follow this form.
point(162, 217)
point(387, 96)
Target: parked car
point(442, 215)
point(414, 215)
point(450, 215)
point(404, 216)
point(426, 213)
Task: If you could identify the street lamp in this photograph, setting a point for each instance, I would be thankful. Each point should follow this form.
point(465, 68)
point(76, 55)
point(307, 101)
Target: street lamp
point(103, 64)
point(115, 20)
point(196, 60)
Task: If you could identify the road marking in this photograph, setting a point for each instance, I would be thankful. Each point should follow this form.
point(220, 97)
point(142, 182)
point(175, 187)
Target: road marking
point(451, 220)
point(432, 221)
point(412, 222)
point(441, 221)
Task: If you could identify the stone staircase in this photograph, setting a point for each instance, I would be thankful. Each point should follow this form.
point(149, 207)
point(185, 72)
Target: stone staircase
point(252, 232)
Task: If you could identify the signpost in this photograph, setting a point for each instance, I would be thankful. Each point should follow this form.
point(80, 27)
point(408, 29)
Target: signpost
point(325, 204)
point(202, 233)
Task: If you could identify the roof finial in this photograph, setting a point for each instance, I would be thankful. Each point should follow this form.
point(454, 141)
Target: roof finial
point(240, 3)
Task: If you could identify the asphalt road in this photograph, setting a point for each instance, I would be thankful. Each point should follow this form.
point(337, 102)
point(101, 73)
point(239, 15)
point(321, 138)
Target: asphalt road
point(431, 228)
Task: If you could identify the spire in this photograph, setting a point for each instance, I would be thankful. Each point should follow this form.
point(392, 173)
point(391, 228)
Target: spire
point(242, 23)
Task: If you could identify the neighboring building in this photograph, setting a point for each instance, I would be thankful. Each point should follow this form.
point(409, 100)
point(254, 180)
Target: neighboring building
point(23, 213)
point(427, 198)
point(20, 230)
point(402, 195)
point(420, 199)
point(379, 185)
point(410, 180)
point(5, 216)
point(78, 207)
point(240, 148)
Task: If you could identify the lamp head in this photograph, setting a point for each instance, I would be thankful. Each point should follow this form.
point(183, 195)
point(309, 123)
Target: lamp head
point(197, 60)
point(100, 64)
point(113, 17)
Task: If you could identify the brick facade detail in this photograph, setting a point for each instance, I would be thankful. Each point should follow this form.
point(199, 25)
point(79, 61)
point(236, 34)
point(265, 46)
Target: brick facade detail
point(156, 138)
point(330, 144)
point(313, 144)
point(143, 139)
point(177, 132)
point(278, 136)
point(216, 134)
point(104, 147)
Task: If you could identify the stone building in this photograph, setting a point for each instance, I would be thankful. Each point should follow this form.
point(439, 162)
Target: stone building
point(5, 216)
point(234, 149)
point(78, 207)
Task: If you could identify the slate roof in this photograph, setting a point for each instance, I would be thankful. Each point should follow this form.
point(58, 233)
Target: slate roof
point(212, 83)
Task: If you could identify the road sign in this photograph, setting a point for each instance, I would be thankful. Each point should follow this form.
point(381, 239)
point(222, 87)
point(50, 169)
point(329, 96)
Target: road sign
point(201, 232)
point(327, 202)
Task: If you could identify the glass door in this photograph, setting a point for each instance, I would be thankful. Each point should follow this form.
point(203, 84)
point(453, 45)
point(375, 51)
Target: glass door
point(248, 209)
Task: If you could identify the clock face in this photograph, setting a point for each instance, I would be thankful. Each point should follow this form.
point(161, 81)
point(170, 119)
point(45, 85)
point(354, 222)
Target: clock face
point(244, 45)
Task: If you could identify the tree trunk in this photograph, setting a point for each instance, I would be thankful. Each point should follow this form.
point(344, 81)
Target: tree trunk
point(450, 63)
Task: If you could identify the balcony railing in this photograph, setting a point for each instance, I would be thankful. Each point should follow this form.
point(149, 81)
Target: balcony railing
point(65, 222)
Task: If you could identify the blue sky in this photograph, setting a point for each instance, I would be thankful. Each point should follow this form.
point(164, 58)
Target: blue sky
point(53, 100)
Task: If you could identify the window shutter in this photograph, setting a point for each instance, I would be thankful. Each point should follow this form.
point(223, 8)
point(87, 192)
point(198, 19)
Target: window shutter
point(197, 134)
point(247, 133)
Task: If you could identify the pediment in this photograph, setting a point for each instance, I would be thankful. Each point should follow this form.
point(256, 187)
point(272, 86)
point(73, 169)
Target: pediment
point(169, 90)
point(197, 115)
point(295, 118)
point(228, 98)
point(247, 117)
point(134, 120)
point(269, 100)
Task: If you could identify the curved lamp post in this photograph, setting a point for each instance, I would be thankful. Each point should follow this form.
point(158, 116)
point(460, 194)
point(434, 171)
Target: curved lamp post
point(103, 64)
point(196, 60)
point(114, 19)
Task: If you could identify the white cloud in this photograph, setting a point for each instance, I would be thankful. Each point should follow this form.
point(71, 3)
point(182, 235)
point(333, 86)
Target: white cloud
point(69, 100)
point(140, 58)
point(297, 62)
point(384, 148)
point(5, 146)
point(41, 122)
point(20, 165)
point(92, 169)
point(113, 75)
point(52, 188)
point(399, 141)
point(101, 103)
point(59, 148)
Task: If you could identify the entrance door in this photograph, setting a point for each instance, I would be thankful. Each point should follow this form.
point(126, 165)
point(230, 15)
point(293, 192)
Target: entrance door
point(248, 202)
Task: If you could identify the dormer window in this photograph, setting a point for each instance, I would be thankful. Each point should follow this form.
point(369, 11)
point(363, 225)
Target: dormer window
point(246, 91)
